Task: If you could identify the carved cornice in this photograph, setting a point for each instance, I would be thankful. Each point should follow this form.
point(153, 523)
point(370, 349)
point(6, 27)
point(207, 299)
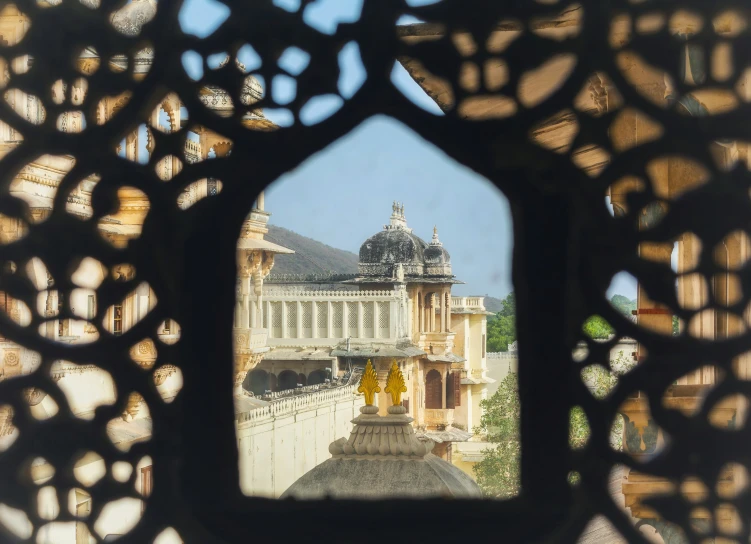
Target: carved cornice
point(144, 353)
point(162, 373)
point(61, 370)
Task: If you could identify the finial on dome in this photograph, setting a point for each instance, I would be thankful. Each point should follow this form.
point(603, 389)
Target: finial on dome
point(401, 209)
point(369, 384)
point(395, 384)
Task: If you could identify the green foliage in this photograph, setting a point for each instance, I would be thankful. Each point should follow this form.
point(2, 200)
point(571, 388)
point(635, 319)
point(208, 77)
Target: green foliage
point(601, 381)
point(578, 432)
point(596, 327)
point(501, 328)
point(498, 473)
point(508, 306)
point(676, 326)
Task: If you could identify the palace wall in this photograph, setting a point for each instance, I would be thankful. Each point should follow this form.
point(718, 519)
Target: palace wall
point(280, 442)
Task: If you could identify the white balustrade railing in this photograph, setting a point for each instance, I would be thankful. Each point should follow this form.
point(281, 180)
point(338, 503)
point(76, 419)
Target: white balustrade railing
point(469, 303)
point(503, 355)
point(287, 405)
point(311, 294)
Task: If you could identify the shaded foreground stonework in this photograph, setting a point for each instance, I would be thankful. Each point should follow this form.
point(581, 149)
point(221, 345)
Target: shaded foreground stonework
point(558, 106)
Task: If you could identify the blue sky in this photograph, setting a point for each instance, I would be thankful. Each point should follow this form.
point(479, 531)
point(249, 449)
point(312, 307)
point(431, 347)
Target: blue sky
point(343, 195)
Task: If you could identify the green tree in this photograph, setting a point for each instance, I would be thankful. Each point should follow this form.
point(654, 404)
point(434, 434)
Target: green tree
point(596, 327)
point(501, 328)
point(498, 473)
point(508, 306)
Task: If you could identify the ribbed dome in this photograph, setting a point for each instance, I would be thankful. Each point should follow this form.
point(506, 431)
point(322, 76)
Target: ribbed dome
point(429, 477)
point(437, 259)
point(392, 247)
point(396, 245)
point(383, 459)
point(436, 255)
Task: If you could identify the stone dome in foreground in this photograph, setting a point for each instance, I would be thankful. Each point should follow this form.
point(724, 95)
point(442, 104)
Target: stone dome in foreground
point(383, 459)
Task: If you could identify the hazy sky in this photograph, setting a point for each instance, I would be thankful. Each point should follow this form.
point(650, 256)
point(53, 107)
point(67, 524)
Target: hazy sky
point(343, 195)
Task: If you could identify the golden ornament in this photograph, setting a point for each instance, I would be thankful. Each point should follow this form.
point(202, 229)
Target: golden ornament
point(395, 384)
point(369, 384)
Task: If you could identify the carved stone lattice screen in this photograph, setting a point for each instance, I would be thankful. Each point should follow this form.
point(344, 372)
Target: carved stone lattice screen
point(558, 105)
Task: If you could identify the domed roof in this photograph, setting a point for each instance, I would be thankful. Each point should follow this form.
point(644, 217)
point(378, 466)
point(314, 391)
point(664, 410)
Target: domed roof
point(383, 459)
point(396, 246)
point(435, 252)
point(393, 246)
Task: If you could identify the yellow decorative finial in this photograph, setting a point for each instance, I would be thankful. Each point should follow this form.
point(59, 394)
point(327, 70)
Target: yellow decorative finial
point(369, 384)
point(395, 384)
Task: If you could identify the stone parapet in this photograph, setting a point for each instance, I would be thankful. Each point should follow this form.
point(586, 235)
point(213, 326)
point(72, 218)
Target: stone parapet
point(289, 405)
point(301, 294)
point(439, 418)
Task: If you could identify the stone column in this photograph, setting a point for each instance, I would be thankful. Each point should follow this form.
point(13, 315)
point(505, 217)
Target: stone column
point(447, 298)
point(245, 313)
point(260, 201)
point(376, 314)
point(432, 312)
point(444, 380)
point(418, 311)
point(284, 319)
point(442, 302)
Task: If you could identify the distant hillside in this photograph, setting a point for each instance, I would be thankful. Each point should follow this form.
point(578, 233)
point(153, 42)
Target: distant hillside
point(493, 304)
point(623, 304)
point(311, 256)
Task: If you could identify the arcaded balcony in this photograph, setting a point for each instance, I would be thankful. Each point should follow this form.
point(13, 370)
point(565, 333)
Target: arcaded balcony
point(439, 417)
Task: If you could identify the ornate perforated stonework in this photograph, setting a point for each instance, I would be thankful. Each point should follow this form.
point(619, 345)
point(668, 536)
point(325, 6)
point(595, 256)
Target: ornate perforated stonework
point(559, 105)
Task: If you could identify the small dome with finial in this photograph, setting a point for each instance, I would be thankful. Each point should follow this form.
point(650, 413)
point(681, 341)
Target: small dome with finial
point(437, 259)
point(383, 458)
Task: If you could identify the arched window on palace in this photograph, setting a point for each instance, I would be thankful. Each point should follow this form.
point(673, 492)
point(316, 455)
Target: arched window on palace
point(257, 382)
point(316, 377)
point(287, 380)
point(433, 390)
